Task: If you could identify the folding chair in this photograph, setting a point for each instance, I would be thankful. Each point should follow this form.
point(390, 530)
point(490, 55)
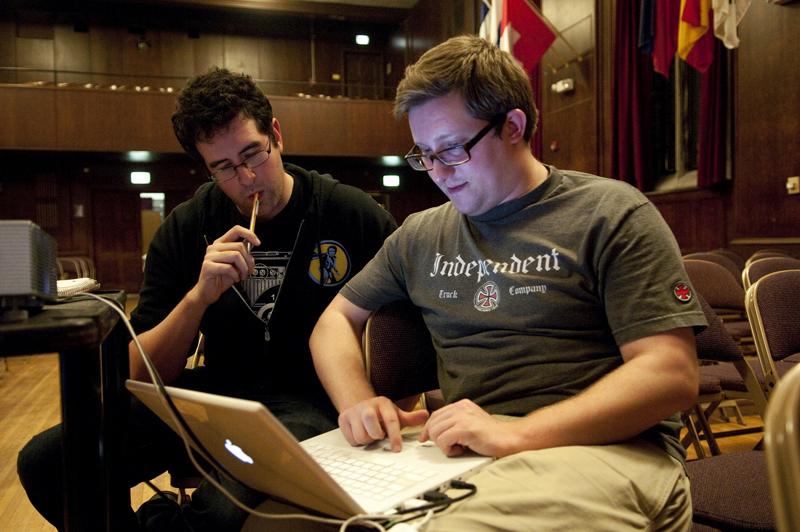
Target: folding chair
point(764, 253)
point(761, 267)
point(720, 259)
point(735, 257)
point(782, 443)
point(773, 308)
point(729, 378)
point(399, 356)
point(725, 295)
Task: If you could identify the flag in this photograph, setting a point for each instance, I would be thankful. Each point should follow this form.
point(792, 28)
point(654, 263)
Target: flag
point(695, 36)
point(727, 15)
point(665, 41)
point(647, 25)
point(516, 27)
point(491, 17)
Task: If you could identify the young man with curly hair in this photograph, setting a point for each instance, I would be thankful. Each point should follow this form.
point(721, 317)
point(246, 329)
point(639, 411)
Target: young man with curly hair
point(255, 295)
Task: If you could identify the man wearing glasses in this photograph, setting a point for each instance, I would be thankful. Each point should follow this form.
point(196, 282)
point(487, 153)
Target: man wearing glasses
point(256, 309)
point(562, 346)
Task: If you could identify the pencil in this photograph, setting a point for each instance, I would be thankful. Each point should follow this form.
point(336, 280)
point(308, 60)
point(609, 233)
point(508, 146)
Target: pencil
point(256, 197)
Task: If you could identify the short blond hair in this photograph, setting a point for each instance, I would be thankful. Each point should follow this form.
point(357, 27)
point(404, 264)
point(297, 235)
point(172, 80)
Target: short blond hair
point(491, 81)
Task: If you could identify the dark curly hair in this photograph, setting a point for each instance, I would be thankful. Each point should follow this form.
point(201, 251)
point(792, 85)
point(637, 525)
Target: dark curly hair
point(209, 103)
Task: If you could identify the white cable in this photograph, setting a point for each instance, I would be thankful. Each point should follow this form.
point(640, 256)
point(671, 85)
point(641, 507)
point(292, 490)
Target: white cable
point(363, 519)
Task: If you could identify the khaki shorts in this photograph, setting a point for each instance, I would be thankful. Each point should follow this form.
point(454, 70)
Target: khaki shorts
point(630, 486)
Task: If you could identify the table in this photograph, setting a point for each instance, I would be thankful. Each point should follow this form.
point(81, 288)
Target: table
point(91, 341)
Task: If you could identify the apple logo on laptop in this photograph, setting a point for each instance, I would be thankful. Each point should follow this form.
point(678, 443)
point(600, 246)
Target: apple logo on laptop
point(237, 451)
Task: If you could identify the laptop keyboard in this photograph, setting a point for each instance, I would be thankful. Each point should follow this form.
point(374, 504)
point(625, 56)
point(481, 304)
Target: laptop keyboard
point(372, 476)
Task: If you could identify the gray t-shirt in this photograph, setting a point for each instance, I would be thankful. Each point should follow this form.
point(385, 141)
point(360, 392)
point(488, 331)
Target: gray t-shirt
point(528, 302)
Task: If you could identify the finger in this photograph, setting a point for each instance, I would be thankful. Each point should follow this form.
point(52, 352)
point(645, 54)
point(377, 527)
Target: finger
point(372, 424)
point(237, 233)
point(235, 259)
point(347, 431)
point(414, 418)
point(392, 425)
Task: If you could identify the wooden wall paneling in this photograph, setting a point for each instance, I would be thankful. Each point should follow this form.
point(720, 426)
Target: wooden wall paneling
point(328, 64)
point(363, 74)
point(73, 58)
point(372, 130)
point(115, 121)
point(569, 121)
point(79, 211)
point(141, 62)
point(117, 239)
point(311, 126)
point(8, 50)
point(284, 64)
point(106, 54)
point(314, 126)
point(241, 54)
point(209, 51)
point(697, 218)
point(767, 103)
point(36, 54)
point(29, 117)
point(177, 57)
point(605, 53)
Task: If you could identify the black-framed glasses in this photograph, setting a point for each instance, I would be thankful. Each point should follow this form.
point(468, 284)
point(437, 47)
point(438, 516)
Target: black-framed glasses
point(252, 161)
point(453, 155)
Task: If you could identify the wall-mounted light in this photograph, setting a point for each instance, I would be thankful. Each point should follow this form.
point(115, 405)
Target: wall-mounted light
point(140, 178)
point(391, 160)
point(391, 180)
point(362, 39)
point(140, 156)
point(142, 44)
point(563, 85)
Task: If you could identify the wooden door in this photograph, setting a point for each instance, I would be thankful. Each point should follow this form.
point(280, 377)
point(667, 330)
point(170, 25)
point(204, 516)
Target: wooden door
point(116, 230)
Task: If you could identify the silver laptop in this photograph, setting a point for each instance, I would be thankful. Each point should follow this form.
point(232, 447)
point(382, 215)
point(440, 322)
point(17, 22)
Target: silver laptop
point(324, 473)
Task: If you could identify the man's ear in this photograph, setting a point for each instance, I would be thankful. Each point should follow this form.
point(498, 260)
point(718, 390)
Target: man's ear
point(515, 125)
point(276, 131)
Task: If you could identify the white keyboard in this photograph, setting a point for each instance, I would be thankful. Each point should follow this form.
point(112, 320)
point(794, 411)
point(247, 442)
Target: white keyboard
point(374, 475)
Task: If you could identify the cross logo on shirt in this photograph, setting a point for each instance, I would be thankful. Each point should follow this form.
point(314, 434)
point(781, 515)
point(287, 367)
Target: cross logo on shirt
point(487, 297)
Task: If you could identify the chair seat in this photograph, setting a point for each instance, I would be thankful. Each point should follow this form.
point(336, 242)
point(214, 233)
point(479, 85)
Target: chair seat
point(792, 359)
point(739, 329)
point(709, 384)
point(731, 492)
point(731, 380)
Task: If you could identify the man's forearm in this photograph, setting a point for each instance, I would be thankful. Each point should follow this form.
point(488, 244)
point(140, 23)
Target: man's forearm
point(168, 342)
point(336, 348)
point(624, 403)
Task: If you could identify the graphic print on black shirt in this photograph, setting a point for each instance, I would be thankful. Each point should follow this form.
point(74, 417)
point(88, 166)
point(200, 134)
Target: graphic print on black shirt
point(263, 285)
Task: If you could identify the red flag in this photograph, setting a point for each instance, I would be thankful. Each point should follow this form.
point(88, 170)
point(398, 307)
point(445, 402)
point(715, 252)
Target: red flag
point(696, 34)
point(665, 42)
point(524, 33)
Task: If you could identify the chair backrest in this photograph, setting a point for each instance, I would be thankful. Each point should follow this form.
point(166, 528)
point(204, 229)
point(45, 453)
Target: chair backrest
point(720, 259)
point(716, 284)
point(764, 253)
point(735, 257)
point(773, 308)
point(715, 342)
point(782, 445)
point(761, 267)
point(400, 358)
